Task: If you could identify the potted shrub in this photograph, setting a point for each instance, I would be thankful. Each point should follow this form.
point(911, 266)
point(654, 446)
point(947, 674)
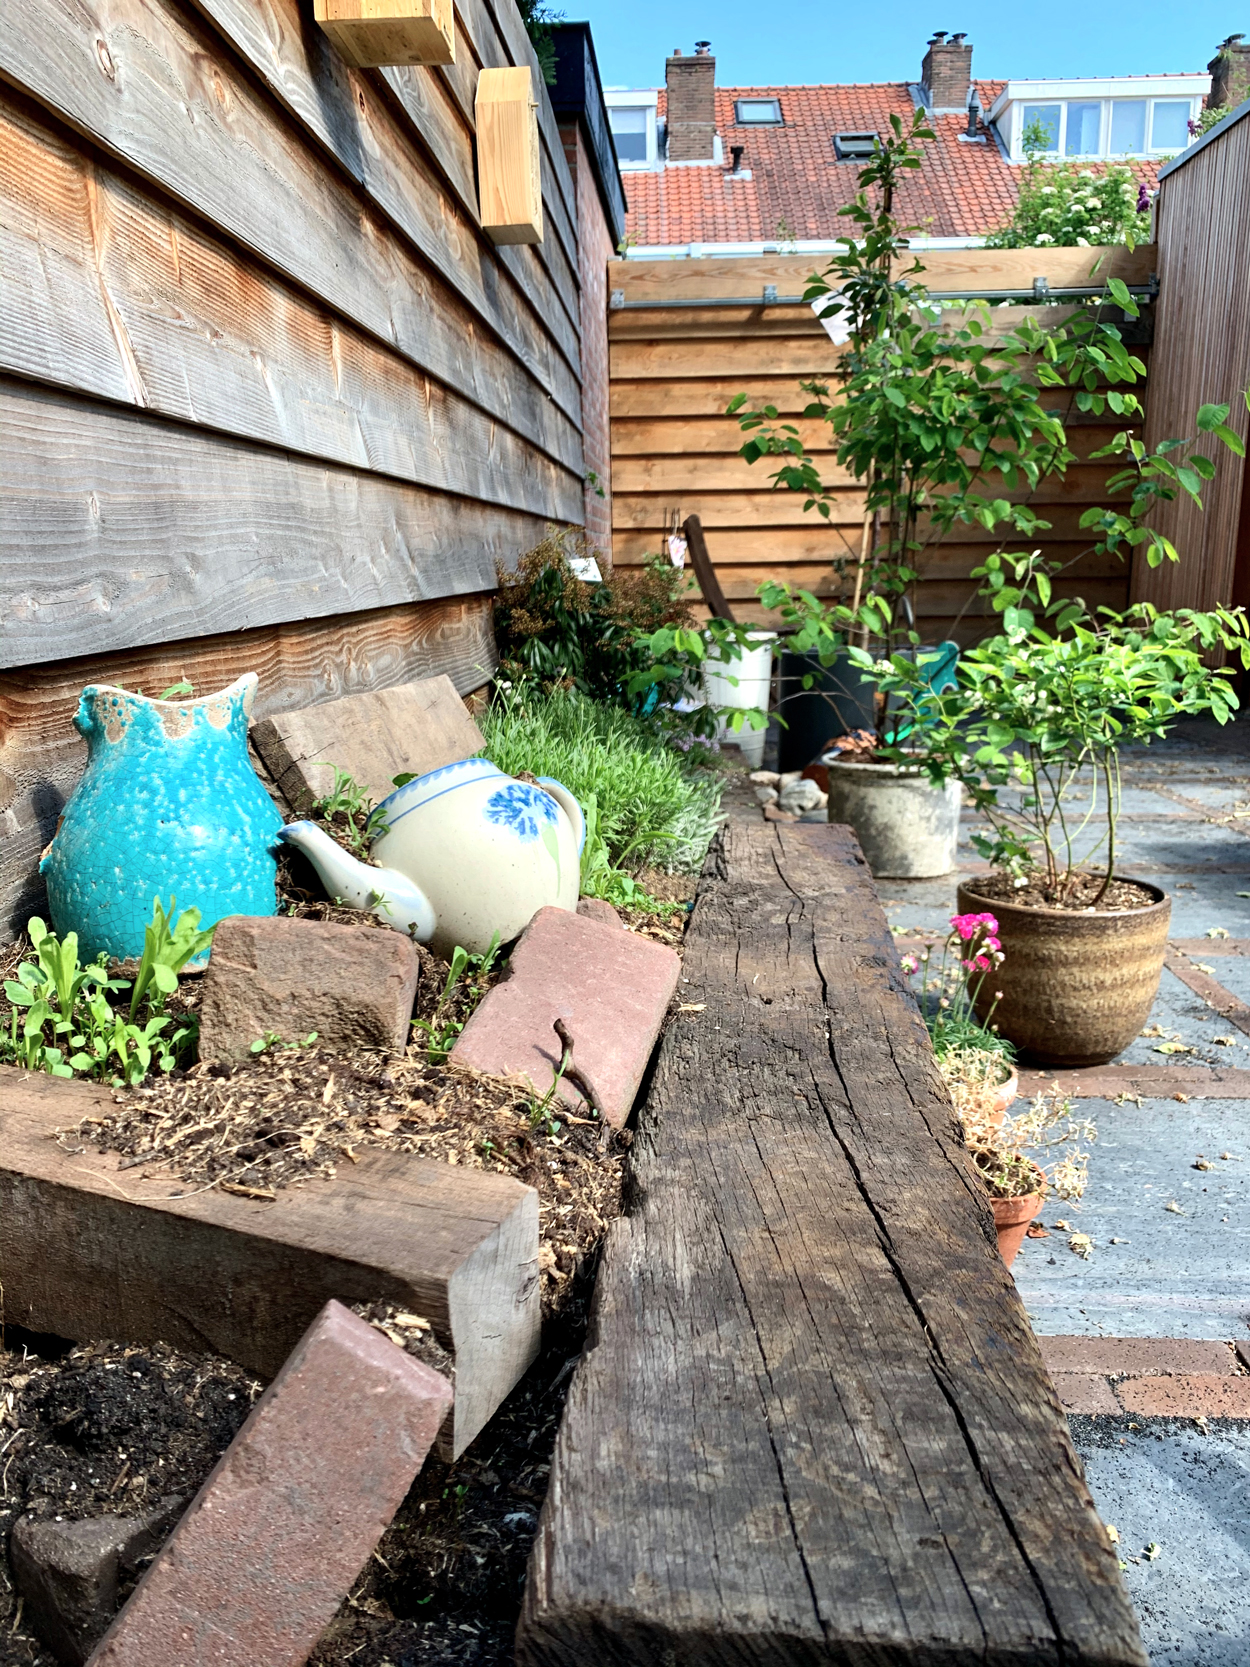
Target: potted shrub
point(1033, 731)
point(1017, 1184)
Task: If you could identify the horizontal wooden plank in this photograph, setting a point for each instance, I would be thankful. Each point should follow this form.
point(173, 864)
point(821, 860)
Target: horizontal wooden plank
point(154, 87)
point(671, 361)
point(661, 435)
point(705, 397)
point(755, 533)
point(711, 472)
point(949, 270)
point(302, 69)
point(111, 292)
point(119, 530)
point(299, 663)
point(815, 1425)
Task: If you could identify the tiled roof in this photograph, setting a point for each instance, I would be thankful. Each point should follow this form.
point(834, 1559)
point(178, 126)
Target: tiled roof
point(797, 184)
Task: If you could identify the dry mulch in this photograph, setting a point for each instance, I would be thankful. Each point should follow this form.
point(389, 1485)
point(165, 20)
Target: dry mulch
point(1121, 896)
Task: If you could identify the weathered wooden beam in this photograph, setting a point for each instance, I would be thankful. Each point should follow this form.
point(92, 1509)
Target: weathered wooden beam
point(91, 1251)
point(813, 1424)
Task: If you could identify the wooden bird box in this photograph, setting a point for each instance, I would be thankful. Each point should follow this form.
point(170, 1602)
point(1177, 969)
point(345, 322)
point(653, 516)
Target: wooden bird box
point(509, 181)
point(371, 33)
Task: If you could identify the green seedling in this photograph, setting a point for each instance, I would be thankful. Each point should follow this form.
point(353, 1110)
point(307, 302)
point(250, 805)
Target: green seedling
point(169, 942)
point(443, 1028)
point(363, 822)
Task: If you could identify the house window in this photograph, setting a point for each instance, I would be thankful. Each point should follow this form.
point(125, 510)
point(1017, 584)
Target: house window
point(1083, 135)
point(629, 132)
point(1046, 117)
point(1128, 126)
point(757, 112)
point(1169, 124)
point(854, 147)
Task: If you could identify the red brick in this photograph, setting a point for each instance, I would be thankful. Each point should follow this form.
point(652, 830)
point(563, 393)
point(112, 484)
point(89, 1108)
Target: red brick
point(274, 1539)
point(611, 988)
point(1084, 1392)
point(354, 985)
point(1113, 1355)
point(595, 908)
point(1186, 1397)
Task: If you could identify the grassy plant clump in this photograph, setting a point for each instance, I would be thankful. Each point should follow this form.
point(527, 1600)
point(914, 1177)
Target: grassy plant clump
point(644, 803)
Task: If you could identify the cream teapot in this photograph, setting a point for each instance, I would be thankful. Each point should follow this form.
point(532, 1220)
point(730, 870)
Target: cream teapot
point(467, 853)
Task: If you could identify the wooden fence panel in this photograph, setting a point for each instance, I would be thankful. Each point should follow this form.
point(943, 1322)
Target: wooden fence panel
point(675, 452)
point(1203, 356)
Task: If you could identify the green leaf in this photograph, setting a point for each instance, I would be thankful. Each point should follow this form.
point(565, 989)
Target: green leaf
point(1211, 416)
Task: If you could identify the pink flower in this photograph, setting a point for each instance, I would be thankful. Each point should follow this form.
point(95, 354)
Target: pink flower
point(910, 963)
point(969, 925)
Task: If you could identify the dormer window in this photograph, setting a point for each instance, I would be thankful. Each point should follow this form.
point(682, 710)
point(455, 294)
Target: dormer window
point(1144, 116)
point(631, 116)
point(757, 112)
point(854, 147)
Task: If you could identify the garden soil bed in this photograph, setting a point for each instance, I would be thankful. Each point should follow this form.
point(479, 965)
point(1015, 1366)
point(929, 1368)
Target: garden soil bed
point(1120, 897)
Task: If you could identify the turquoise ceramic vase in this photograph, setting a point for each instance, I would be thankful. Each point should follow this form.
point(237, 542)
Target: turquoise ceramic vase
point(169, 806)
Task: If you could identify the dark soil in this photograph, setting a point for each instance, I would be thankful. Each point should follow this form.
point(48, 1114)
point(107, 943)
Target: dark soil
point(102, 1430)
point(1077, 897)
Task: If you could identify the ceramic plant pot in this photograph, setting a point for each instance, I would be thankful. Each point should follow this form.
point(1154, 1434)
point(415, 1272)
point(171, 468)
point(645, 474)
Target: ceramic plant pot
point(168, 806)
point(1076, 988)
point(1012, 1215)
point(468, 854)
point(907, 828)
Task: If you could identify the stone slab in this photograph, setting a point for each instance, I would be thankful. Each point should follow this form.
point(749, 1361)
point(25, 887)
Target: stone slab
point(271, 1544)
point(88, 1250)
point(375, 736)
point(354, 986)
point(597, 908)
point(67, 1572)
point(611, 989)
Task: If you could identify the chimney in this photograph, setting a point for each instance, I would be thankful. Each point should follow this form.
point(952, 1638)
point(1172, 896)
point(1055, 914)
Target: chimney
point(1230, 74)
point(691, 84)
point(946, 74)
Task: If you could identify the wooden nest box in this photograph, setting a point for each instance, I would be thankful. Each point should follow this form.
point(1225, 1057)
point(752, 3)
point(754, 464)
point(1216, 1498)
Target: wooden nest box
point(509, 181)
point(373, 33)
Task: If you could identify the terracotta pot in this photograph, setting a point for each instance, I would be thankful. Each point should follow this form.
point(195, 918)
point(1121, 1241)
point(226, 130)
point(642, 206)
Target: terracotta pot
point(1005, 1098)
point(1076, 988)
point(1011, 1222)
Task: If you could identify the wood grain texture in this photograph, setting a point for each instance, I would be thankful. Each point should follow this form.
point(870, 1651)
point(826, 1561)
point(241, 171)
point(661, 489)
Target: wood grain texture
point(145, 1258)
point(111, 292)
point(119, 531)
point(946, 270)
point(369, 33)
point(298, 663)
point(509, 181)
point(1202, 354)
point(151, 85)
point(333, 103)
point(812, 1423)
point(408, 729)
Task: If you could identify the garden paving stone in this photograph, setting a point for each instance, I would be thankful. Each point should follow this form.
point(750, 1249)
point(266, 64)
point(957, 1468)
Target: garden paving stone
point(611, 989)
point(271, 1544)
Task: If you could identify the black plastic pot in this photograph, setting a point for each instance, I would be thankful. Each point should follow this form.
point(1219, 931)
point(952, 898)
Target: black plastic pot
point(839, 700)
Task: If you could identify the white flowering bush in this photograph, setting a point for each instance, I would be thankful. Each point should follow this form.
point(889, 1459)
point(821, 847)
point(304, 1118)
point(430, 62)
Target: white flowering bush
point(1069, 206)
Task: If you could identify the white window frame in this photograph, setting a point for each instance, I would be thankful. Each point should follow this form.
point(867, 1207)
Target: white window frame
point(776, 104)
point(627, 98)
point(1149, 89)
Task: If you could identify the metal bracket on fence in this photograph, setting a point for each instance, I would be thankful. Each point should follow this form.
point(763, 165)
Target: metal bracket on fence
point(1040, 291)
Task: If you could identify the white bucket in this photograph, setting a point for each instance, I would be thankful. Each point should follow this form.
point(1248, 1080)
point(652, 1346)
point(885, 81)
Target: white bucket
point(752, 673)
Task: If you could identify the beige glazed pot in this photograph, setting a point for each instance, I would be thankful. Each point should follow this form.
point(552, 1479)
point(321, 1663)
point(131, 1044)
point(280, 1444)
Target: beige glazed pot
point(1076, 988)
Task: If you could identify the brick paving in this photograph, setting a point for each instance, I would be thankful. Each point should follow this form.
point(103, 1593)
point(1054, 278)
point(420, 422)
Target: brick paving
point(1154, 1377)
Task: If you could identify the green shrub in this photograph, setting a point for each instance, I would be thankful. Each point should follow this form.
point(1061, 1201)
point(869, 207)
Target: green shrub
point(648, 804)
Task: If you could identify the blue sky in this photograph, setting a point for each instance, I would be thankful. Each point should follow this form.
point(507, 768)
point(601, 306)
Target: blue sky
point(813, 40)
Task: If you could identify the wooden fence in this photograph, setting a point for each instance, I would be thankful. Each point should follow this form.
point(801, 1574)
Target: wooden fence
point(1203, 355)
point(675, 365)
point(271, 399)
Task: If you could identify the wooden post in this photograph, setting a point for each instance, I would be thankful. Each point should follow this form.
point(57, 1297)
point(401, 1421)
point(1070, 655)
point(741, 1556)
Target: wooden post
point(509, 183)
point(371, 33)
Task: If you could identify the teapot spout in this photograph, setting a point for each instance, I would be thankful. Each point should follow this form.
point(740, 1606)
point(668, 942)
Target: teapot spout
point(385, 892)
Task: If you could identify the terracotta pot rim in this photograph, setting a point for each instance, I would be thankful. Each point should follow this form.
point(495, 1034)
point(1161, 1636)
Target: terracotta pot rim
point(1162, 899)
point(1018, 1197)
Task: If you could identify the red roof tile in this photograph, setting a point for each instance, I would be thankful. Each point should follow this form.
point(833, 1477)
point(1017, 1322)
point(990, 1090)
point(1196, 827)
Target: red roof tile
point(797, 184)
